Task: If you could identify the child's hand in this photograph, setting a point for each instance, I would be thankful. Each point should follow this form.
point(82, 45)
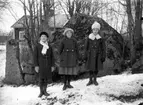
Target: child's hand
point(37, 69)
point(53, 68)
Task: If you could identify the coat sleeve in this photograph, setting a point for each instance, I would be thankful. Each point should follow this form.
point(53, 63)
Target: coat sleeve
point(61, 47)
point(52, 57)
point(36, 63)
point(86, 46)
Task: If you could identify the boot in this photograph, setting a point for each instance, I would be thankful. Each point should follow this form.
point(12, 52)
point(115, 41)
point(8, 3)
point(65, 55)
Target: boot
point(90, 82)
point(41, 91)
point(95, 81)
point(44, 90)
point(64, 87)
point(65, 83)
point(68, 84)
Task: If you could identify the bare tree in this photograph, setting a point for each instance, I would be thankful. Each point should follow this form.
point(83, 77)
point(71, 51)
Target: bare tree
point(48, 11)
point(134, 13)
point(3, 6)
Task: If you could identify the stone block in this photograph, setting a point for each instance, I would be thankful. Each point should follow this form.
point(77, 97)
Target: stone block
point(12, 73)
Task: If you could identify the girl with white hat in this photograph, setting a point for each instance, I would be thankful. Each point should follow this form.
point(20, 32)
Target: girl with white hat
point(94, 53)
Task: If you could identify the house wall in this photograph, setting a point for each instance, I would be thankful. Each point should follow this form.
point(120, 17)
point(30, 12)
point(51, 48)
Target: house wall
point(16, 32)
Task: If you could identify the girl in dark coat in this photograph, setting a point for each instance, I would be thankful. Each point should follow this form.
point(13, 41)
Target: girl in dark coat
point(68, 57)
point(94, 53)
point(44, 62)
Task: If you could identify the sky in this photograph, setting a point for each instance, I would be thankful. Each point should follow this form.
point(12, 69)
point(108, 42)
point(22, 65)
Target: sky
point(10, 16)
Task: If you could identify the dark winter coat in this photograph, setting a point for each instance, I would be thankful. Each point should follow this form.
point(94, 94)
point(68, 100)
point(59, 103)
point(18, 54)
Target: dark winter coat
point(94, 54)
point(45, 62)
point(68, 51)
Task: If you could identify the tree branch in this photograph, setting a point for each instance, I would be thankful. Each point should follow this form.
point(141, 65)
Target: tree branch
point(122, 3)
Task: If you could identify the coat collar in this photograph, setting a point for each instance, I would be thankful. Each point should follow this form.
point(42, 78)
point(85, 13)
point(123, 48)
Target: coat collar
point(92, 36)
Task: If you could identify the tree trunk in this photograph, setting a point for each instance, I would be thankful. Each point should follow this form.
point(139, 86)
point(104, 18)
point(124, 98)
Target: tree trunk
point(138, 23)
point(131, 30)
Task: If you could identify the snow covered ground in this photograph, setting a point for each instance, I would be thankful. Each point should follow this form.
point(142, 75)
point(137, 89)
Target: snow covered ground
point(122, 89)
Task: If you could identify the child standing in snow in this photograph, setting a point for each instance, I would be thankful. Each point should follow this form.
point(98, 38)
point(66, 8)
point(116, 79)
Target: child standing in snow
point(94, 53)
point(68, 57)
point(44, 62)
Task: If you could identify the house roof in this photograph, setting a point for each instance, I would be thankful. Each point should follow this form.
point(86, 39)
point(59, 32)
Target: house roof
point(60, 21)
point(19, 23)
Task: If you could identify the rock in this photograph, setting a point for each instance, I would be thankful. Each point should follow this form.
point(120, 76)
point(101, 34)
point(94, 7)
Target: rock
point(25, 55)
point(138, 63)
point(12, 73)
point(30, 79)
point(138, 66)
point(27, 68)
point(81, 24)
point(55, 75)
point(107, 68)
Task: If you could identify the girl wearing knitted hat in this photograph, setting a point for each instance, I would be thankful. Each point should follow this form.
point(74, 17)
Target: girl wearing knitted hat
point(68, 57)
point(94, 53)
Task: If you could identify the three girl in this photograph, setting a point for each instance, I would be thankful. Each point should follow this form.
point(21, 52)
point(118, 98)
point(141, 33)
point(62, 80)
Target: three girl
point(69, 55)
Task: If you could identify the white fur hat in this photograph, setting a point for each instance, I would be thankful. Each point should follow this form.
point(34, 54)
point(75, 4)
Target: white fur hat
point(68, 29)
point(96, 25)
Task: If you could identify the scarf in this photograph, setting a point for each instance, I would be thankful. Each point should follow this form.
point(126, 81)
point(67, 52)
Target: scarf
point(45, 47)
point(92, 36)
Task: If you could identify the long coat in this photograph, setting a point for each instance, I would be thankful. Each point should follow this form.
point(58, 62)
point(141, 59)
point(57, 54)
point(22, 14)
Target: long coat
point(45, 62)
point(68, 51)
point(94, 53)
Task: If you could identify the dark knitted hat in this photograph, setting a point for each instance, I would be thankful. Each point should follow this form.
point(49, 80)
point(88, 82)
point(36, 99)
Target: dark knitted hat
point(44, 33)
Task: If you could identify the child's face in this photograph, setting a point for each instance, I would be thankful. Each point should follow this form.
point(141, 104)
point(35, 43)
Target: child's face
point(69, 34)
point(43, 38)
point(95, 31)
